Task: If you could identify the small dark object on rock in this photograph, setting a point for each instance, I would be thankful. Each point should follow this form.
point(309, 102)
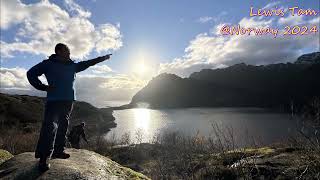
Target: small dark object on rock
point(290, 149)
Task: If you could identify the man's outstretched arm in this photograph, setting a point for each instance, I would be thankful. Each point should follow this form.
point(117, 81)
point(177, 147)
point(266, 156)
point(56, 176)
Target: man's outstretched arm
point(83, 65)
point(33, 75)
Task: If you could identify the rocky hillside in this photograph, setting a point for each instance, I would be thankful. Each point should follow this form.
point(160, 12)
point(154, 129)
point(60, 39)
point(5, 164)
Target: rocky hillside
point(26, 113)
point(311, 58)
point(157, 161)
point(82, 164)
point(241, 85)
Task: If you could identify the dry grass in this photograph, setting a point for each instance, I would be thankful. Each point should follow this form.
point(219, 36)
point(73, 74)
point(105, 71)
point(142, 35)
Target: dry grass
point(15, 141)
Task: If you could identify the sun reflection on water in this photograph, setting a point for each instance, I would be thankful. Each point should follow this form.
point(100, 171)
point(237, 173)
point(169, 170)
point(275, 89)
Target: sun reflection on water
point(142, 118)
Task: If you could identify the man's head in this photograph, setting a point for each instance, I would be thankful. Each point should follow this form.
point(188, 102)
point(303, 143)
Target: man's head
point(63, 51)
point(83, 124)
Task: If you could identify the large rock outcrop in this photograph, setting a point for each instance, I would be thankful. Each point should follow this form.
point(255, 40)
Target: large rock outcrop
point(82, 164)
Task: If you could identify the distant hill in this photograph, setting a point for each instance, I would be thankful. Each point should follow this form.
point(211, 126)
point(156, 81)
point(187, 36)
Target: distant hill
point(26, 113)
point(240, 85)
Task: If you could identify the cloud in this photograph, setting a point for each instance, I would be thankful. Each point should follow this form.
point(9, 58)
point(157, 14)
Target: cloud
point(98, 89)
point(74, 7)
point(294, 20)
point(205, 19)
point(13, 78)
point(101, 69)
point(271, 5)
point(109, 37)
point(42, 25)
point(16, 79)
point(216, 18)
point(213, 50)
point(123, 81)
point(315, 21)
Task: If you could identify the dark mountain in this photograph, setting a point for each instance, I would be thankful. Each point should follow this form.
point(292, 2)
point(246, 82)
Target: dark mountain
point(240, 85)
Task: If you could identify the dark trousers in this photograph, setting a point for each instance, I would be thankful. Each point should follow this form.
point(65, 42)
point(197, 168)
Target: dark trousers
point(54, 128)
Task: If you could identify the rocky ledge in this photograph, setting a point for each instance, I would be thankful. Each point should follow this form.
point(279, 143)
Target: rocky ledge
point(82, 164)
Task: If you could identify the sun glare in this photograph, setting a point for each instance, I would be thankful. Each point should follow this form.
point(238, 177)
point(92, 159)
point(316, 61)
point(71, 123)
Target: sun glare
point(143, 64)
point(141, 68)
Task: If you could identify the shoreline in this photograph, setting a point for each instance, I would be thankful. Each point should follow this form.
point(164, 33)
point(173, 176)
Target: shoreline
point(130, 106)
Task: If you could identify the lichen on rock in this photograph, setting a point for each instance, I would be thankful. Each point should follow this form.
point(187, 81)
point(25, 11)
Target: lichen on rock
point(4, 156)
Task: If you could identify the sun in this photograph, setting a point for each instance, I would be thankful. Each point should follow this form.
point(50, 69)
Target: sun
point(141, 68)
point(143, 65)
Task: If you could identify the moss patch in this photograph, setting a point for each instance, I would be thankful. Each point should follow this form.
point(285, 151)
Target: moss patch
point(4, 156)
point(261, 151)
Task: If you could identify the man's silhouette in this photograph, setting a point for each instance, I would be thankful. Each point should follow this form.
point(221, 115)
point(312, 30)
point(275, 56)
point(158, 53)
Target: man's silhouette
point(60, 72)
point(75, 134)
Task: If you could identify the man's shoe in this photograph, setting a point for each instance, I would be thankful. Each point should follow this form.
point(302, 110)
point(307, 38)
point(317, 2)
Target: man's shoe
point(44, 164)
point(37, 155)
point(61, 155)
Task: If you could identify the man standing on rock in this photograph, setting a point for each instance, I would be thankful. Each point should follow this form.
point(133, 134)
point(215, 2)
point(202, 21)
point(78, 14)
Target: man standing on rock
point(60, 72)
point(75, 134)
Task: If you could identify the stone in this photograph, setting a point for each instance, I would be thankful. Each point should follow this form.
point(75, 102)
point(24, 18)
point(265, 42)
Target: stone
point(82, 164)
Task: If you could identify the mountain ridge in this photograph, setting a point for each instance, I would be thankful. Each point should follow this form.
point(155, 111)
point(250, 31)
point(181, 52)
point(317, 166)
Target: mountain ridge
point(241, 85)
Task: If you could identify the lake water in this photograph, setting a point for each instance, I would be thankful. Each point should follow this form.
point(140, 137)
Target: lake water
point(246, 123)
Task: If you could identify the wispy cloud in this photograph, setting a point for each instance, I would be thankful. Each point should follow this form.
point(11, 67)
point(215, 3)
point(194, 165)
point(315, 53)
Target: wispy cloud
point(101, 69)
point(272, 4)
point(206, 19)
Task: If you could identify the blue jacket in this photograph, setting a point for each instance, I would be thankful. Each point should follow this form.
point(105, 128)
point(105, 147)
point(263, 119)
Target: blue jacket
point(60, 75)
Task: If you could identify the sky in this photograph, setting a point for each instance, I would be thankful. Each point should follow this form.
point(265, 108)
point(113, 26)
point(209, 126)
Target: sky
point(146, 38)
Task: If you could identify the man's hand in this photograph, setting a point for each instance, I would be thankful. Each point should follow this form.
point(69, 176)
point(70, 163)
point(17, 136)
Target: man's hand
point(81, 66)
point(102, 58)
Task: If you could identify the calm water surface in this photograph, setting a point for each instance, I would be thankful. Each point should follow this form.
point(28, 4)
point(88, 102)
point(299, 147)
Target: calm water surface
point(246, 123)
